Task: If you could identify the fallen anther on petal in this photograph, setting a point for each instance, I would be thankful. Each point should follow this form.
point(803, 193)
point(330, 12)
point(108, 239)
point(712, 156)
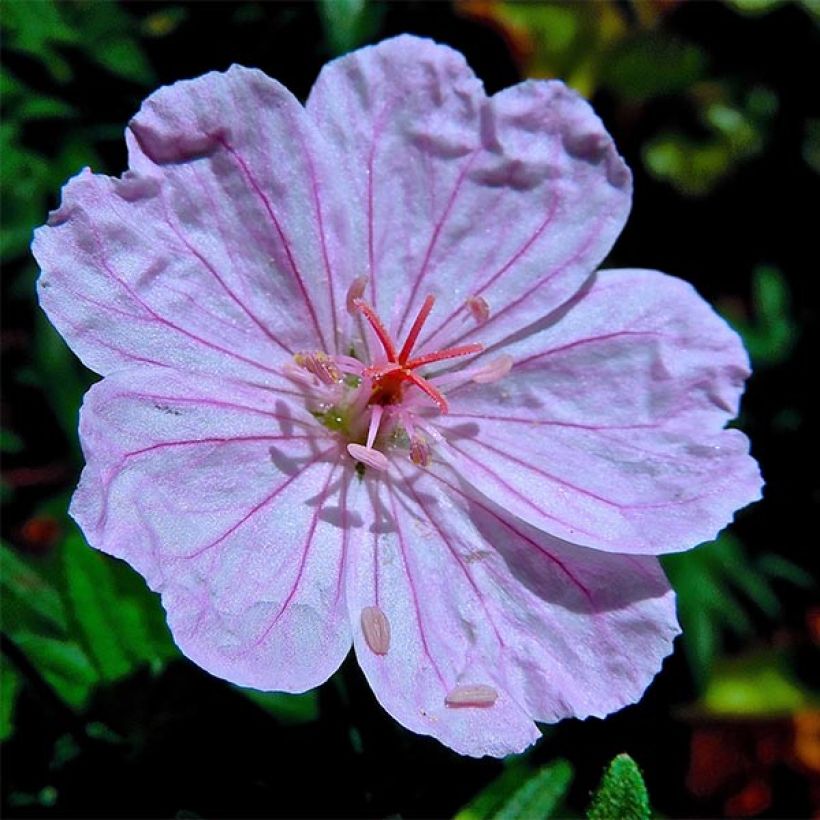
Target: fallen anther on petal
point(479, 309)
point(354, 292)
point(494, 370)
point(471, 694)
point(320, 365)
point(376, 629)
point(369, 457)
point(420, 451)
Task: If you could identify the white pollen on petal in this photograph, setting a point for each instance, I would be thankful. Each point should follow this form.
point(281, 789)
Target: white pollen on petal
point(354, 292)
point(376, 629)
point(369, 457)
point(493, 371)
point(471, 694)
point(479, 309)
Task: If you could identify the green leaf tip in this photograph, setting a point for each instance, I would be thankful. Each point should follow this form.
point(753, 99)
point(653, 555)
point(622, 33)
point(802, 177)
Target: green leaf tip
point(622, 793)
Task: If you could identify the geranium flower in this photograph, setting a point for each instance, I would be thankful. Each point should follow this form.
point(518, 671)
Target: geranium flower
point(362, 385)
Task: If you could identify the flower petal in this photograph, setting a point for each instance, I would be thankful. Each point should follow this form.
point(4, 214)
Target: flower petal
point(212, 252)
point(512, 199)
point(493, 623)
point(608, 431)
point(232, 507)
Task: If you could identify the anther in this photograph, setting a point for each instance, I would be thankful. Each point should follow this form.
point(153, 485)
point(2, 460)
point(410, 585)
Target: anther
point(320, 365)
point(479, 309)
point(420, 453)
point(493, 371)
point(376, 629)
point(471, 694)
point(369, 457)
point(354, 292)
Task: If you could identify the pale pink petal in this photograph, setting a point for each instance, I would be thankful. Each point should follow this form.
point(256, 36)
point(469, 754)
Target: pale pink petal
point(512, 199)
point(494, 624)
point(233, 508)
point(608, 430)
point(212, 253)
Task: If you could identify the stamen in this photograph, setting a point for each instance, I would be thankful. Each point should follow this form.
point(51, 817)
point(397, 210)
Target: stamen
point(494, 370)
point(450, 353)
point(376, 415)
point(429, 301)
point(378, 327)
point(371, 458)
point(354, 292)
point(428, 388)
point(320, 365)
point(471, 694)
point(479, 309)
point(376, 629)
point(420, 451)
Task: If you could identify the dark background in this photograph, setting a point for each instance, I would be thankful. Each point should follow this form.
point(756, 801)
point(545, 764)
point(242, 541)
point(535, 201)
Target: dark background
point(716, 109)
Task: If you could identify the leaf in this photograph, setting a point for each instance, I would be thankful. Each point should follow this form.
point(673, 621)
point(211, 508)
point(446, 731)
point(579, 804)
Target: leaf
point(119, 619)
point(520, 792)
point(64, 666)
point(9, 689)
point(95, 607)
point(622, 793)
point(30, 602)
point(286, 708)
point(348, 23)
point(757, 684)
point(540, 795)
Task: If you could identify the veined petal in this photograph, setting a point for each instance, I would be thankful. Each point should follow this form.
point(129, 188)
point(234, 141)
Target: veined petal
point(210, 254)
point(608, 430)
point(230, 506)
point(480, 604)
point(513, 199)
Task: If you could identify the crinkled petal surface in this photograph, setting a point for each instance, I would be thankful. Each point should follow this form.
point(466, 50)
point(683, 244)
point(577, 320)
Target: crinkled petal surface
point(228, 503)
point(608, 431)
point(475, 597)
point(212, 253)
point(515, 198)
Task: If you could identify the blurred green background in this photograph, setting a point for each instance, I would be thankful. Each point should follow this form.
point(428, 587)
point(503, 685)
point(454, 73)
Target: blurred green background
point(715, 107)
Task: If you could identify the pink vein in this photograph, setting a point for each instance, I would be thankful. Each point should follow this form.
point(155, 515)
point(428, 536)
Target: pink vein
point(258, 507)
point(412, 586)
point(457, 558)
point(435, 235)
point(305, 548)
point(520, 496)
point(557, 561)
point(163, 321)
point(212, 270)
point(554, 203)
point(589, 340)
point(285, 243)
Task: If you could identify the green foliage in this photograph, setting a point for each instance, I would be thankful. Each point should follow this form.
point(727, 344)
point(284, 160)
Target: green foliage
point(521, 792)
point(104, 32)
point(758, 684)
point(649, 66)
point(737, 130)
point(9, 688)
point(770, 334)
point(81, 618)
point(286, 708)
point(348, 23)
point(715, 585)
point(622, 794)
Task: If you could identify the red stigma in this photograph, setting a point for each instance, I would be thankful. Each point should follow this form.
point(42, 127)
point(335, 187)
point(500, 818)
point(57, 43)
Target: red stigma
point(391, 379)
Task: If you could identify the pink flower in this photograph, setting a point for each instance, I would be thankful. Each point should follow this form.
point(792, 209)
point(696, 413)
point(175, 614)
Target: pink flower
point(361, 385)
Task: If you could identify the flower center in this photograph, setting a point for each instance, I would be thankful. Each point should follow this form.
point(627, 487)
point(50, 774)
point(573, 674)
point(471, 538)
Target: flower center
point(374, 406)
